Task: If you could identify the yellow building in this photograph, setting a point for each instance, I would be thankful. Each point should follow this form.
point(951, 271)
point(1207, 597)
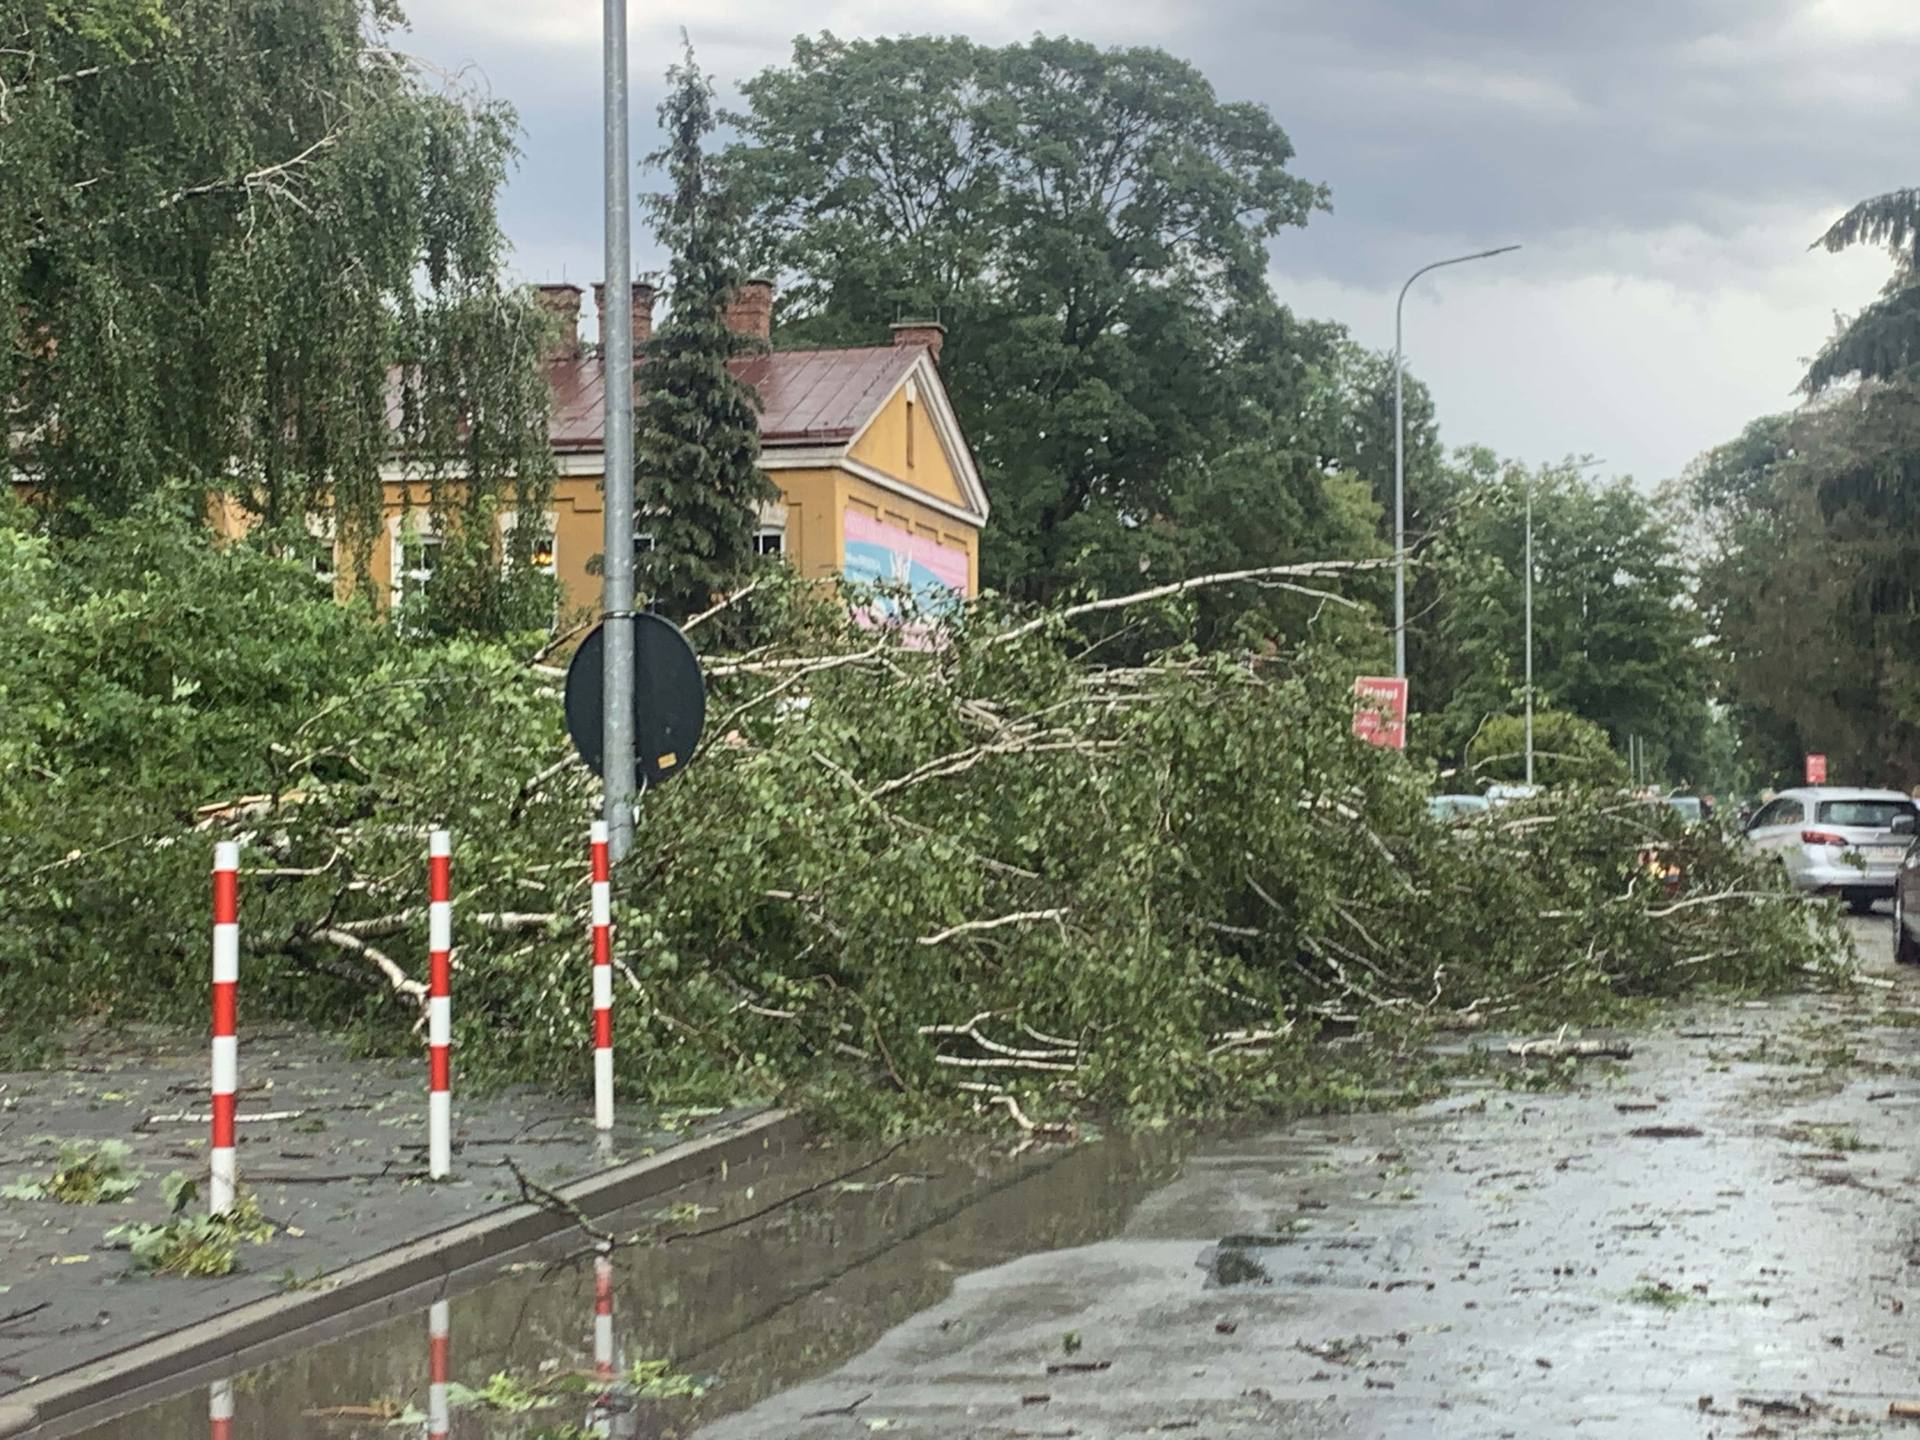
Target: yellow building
point(876, 480)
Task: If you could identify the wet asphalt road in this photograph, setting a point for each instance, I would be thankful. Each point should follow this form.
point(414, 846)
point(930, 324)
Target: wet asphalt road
point(1502, 1262)
point(1498, 1263)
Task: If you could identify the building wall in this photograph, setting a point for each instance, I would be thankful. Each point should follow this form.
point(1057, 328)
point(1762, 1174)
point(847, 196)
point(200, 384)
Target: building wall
point(901, 441)
point(816, 502)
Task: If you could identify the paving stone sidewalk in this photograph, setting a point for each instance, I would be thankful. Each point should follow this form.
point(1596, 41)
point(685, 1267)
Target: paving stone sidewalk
point(335, 1148)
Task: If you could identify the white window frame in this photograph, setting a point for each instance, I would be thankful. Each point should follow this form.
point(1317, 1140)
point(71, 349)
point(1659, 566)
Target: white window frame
point(324, 562)
point(416, 526)
point(510, 521)
point(772, 526)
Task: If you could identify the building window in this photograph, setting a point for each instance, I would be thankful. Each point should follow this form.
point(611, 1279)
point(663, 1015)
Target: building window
point(417, 557)
point(770, 540)
point(545, 556)
point(317, 553)
point(542, 555)
point(913, 411)
point(642, 542)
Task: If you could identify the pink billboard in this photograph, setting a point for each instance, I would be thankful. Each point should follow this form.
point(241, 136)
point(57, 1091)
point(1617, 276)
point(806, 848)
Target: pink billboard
point(877, 553)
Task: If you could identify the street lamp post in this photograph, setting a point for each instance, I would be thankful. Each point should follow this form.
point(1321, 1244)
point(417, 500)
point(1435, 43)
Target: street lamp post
point(1529, 608)
point(1400, 463)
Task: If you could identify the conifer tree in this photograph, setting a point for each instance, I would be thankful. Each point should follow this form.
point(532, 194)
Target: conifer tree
point(697, 478)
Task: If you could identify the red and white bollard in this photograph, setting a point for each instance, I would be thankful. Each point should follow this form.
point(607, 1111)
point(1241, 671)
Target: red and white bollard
point(603, 1314)
point(220, 1410)
point(222, 1177)
point(602, 980)
point(440, 1005)
point(439, 1363)
point(600, 1412)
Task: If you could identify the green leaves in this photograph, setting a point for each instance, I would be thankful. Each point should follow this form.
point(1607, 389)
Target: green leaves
point(87, 1173)
point(253, 249)
point(1091, 226)
point(696, 425)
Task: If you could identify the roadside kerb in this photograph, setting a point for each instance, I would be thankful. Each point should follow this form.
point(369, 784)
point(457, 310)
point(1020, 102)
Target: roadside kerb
point(231, 1338)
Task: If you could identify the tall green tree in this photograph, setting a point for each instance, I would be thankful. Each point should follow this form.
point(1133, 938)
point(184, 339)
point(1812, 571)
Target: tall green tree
point(1616, 631)
point(1810, 583)
point(1883, 340)
point(1092, 226)
point(253, 249)
point(697, 436)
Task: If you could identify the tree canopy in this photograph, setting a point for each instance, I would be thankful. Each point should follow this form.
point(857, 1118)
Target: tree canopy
point(1092, 225)
point(1811, 582)
point(248, 248)
point(1882, 340)
point(696, 434)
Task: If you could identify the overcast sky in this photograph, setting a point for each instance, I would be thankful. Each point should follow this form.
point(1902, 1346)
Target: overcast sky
point(1664, 163)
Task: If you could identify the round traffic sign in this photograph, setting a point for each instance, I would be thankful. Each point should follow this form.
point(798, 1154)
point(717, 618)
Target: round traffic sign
point(669, 699)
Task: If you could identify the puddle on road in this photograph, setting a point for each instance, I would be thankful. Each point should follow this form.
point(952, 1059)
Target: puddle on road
point(741, 1314)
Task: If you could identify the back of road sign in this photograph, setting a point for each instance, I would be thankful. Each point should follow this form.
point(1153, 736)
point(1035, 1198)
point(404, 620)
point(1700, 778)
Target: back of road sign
point(669, 700)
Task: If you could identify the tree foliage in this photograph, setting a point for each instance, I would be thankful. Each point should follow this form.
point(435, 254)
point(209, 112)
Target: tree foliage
point(696, 433)
point(1150, 885)
point(243, 250)
point(1092, 226)
point(1810, 583)
point(1616, 633)
point(1883, 340)
point(1567, 750)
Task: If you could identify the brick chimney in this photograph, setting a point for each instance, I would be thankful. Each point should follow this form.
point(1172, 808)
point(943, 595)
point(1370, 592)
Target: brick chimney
point(930, 333)
point(750, 312)
point(562, 303)
point(641, 301)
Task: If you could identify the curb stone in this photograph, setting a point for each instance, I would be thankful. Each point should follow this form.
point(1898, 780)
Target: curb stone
point(232, 1338)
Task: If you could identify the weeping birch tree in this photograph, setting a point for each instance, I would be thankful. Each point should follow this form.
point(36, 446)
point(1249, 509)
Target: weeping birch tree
point(251, 249)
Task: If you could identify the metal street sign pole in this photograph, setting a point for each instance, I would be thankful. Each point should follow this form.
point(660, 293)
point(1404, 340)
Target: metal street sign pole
point(616, 358)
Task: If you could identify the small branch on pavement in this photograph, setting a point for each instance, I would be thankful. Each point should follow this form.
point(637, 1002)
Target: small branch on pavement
point(187, 1117)
point(1571, 1049)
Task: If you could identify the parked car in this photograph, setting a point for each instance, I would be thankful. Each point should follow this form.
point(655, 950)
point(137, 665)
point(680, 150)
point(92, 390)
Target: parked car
point(1836, 841)
point(1906, 894)
point(1451, 809)
point(1688, 807)
point(1498, 795)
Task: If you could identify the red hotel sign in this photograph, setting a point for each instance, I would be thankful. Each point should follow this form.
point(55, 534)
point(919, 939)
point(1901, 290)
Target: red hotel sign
point(1380, 710)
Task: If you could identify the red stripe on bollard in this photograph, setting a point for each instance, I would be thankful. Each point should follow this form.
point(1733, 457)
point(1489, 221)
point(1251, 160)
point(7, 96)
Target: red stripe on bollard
point(223, 1112)
point(226, 894)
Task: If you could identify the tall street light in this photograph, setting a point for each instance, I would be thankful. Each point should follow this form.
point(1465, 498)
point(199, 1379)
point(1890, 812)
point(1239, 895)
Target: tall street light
point(1400, 463)
point(1529, 606)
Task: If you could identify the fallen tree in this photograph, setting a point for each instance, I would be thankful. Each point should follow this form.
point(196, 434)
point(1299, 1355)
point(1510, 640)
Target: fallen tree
point(994, 873)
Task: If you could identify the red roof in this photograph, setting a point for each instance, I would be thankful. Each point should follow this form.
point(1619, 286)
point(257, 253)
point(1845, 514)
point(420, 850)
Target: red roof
point(807, 397)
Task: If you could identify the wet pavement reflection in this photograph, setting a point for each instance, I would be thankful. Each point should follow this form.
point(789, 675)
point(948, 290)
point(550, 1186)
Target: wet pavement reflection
point(654, 1341)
